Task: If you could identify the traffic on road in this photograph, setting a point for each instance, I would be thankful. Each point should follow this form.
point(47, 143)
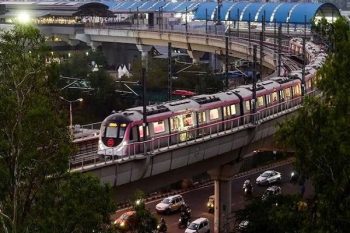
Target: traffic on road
point(200, 202)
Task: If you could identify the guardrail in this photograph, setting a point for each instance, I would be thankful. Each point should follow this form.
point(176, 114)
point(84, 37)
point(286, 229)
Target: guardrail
point(191, 136)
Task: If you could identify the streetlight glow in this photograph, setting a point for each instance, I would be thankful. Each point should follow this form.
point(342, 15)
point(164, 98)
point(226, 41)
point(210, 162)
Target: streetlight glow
point(23, 17)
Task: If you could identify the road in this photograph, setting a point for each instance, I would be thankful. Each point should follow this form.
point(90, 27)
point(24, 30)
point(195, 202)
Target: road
point(197, 198)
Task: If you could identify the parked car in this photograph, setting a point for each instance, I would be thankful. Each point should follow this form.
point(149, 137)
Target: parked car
point(211, 204)
point(200, 225)
point(126, 221)
point(170, 204)
point(269, 177)
point(271, 191)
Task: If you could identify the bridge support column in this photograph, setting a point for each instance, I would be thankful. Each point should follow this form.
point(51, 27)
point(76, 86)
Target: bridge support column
point(222, 177)
point(94, 45)
point(195, 55)
point(144, 49)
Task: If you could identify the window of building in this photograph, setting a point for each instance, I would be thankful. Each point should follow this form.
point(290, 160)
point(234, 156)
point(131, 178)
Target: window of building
point(214, 114)
point(159, 127)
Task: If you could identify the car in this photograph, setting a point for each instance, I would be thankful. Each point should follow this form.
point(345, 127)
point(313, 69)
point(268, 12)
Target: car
point(170, 204)
point(269, 177)
point(200, 225)
point(271, 191)
point(243, 225)
point(126, 221)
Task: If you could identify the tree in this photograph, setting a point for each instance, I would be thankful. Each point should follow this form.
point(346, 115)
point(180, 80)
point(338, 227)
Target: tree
point(274, 215)
point(320, 134)
point(35, 145)
point(146, 222)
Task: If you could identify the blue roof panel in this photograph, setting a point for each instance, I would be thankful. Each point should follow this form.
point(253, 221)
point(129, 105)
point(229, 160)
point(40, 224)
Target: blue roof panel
point(208, 7)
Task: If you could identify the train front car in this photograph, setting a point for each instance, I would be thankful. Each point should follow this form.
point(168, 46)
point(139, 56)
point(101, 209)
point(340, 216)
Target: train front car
point(114, 134)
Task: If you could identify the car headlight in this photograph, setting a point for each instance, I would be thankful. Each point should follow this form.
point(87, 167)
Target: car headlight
point(208, 204)
point(122, 224)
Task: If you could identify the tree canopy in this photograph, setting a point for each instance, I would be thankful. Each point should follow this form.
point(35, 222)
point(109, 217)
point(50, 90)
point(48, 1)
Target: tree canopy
point(35, 147)
point(320, 135)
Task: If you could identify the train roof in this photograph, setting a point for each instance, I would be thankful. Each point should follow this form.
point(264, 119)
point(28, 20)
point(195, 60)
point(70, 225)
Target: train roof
point(182, 105)
point(270, 85)
point(228, 96)
point(243, 92)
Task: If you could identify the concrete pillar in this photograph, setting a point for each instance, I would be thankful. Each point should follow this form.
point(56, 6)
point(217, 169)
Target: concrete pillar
point(195, 55)
point(94, 45)
point(222, 177)
point(144, 49)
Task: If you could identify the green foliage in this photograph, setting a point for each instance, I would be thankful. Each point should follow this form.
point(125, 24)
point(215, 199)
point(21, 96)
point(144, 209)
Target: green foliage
point(320, 134)
point(274, 215)
point(146, 222)
point(36, 192)
point(78, 204)
point(99, 102)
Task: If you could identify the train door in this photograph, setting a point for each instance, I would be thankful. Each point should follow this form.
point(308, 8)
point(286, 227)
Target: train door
point(181, 124)
point(140, 134)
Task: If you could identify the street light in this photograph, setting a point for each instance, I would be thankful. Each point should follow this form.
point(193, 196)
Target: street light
point(70, 110)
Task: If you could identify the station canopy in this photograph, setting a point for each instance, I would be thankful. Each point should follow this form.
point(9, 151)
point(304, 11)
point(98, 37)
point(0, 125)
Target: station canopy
point(294, 13)
point(151, 6)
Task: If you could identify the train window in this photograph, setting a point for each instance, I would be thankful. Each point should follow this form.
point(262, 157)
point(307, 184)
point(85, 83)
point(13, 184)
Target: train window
point(111, 132)
point(214, 114)
point(247, 105)
point(187, 120)
point(296, 90)
point(274, 96)
point(233, 109)
point(122, 131)
point(226, 111)
point(268, 99)
point(201, 117)
point(281, 95)
point(159, 127)
point(260, 101)
point(141, 131)
point(175, 123)
point(287, 93)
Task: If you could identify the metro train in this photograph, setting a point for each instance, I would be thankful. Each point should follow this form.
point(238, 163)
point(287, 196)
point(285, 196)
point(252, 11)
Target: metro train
point(122, 133)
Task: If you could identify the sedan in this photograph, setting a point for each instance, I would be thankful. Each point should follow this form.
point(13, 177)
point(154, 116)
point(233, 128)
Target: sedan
point(269, 177)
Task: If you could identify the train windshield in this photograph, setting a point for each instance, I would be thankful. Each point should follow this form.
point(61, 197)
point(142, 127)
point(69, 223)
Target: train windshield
point(115, 130)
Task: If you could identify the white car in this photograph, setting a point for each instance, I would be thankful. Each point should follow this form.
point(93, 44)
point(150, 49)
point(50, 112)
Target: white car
point(170, 204)
point(269, 177)
point(271, 191)
point(200, 225)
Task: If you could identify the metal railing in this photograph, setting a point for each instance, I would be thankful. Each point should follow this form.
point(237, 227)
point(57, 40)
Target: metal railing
point(189, 137)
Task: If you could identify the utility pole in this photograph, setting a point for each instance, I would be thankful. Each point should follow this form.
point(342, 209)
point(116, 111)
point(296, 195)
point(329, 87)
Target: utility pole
point(170, 75)
point(261, 54)
point(226, 62)
point(186, 20)
point(219, 12)
point(279, 49)
point(254, 80)
point(304, 62)
point(206, 21)
point(238, 19)
point(249, 34)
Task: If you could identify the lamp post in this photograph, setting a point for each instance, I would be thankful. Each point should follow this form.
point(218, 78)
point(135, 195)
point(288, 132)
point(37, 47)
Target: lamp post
point(70, 111)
